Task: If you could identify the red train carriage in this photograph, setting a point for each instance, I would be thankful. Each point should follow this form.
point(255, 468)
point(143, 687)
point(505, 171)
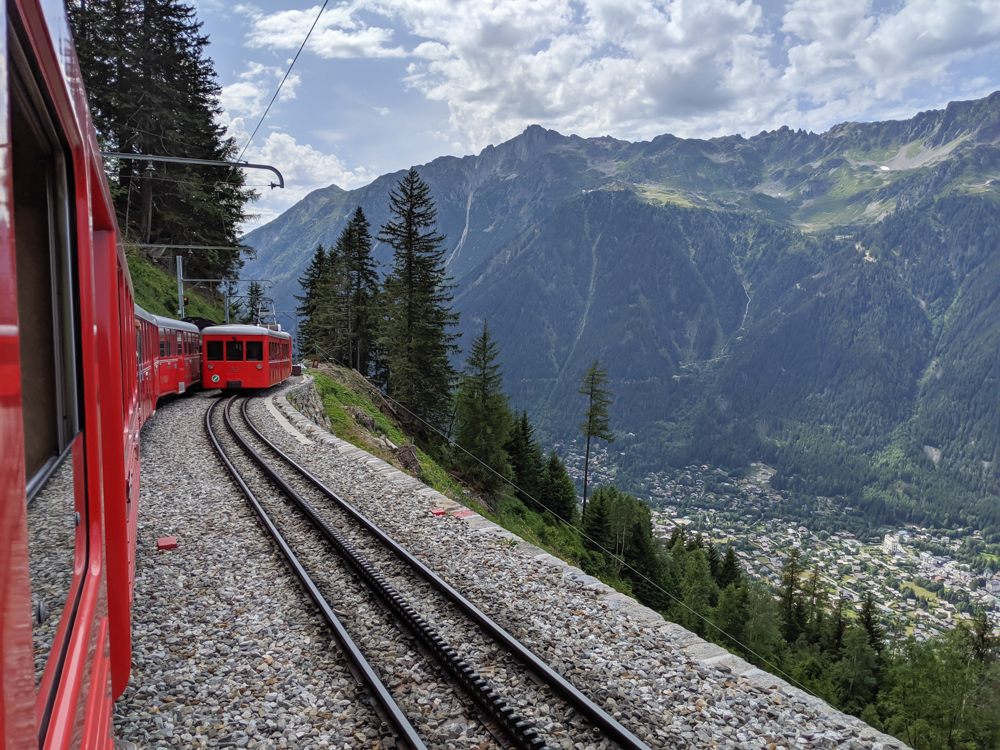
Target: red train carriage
point(177, 362)
point(70, 413)
point(147, 337)
point(241, 356)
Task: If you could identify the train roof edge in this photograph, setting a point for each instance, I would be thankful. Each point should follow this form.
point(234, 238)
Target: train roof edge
point(239, 329)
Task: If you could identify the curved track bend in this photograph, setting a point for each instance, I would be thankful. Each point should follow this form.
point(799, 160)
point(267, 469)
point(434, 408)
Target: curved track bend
point(493, 710)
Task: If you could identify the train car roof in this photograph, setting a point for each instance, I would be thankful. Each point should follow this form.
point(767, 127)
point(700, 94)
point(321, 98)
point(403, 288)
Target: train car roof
point(237, 329)
point(140, 313)
point(177, 325)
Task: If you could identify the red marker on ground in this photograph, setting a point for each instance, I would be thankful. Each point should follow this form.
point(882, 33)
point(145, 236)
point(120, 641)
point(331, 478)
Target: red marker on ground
point(166, 542)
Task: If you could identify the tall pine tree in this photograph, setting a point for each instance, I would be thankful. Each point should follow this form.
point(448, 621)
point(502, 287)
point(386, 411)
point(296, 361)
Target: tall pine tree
point(558, 491)
point(596, 424)
point(153, 90)
point(308, 300)
point(483, 416)
point(417, 317)
point(362, 301)
point(527, 461)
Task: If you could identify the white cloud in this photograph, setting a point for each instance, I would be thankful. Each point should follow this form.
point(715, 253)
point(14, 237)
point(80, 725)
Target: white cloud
point(255, 87)
point(337, 34)
point(846, 61)
point(303, 168)
point(629, 68)
point(637, 68)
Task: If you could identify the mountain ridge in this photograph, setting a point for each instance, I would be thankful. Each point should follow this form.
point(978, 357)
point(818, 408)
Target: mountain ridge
point(785, 297)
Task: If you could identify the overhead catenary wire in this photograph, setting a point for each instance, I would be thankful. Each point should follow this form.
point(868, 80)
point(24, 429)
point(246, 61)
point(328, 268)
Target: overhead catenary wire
point(596, 543)
point(285, 78)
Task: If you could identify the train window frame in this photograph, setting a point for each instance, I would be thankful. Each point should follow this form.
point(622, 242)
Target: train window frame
point(27, 100)
point(253, 351)
point(47, 216)
point(214, 350)
point(234, 345)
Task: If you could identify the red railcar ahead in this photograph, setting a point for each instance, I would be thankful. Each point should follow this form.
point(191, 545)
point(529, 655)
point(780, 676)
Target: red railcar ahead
point(242, 356)
point(178, 360)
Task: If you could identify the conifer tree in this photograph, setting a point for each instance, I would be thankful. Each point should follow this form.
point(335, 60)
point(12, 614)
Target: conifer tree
point(869, 621)
point(695, 542)
point(483, 416)
point(816, 602)
point(762, 634)
point(309, 283)
point(526, 460)
point(832, 640)
point(673, 574)
point(699, 589)
point(676, 535)
point(731, 614)
point(855, 672)
point(731, 572)
point(792, 615)
point(362, 301)
point(597, 526)
point(253, 303)
point(596, 424)
point(714, 561)
point(152, 90)
point(558, 491)
point(329, 321)
point(415, 335)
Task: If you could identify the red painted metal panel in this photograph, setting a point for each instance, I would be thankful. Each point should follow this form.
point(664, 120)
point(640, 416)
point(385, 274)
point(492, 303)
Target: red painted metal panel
point(113, 412)
point(96, 728)
point(17, 673)
point(52, 50)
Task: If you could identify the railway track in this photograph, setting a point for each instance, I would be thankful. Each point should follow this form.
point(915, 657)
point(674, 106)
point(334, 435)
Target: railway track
point(446, 643)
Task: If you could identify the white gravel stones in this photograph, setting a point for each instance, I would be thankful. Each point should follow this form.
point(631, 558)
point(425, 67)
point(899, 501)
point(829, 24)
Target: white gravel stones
point(667, 686)
point(227, 652)
point(51, 543)
point(435, 711)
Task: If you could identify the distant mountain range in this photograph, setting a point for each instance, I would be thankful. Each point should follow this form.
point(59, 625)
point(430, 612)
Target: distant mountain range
point(827, 303)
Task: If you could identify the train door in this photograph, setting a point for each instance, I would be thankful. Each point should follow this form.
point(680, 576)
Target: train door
point(59, 483)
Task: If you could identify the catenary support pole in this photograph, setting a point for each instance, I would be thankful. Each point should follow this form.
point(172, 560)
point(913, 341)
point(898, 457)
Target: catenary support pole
point(180, 283)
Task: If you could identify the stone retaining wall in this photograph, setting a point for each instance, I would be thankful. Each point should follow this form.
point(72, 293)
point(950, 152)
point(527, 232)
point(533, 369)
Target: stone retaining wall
point(307, 401)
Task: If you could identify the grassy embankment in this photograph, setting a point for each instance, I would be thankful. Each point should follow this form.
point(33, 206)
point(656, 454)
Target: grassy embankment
point(156, 293)
point(344, 391)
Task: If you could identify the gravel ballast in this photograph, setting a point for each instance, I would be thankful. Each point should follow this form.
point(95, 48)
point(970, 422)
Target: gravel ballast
point(228, 651)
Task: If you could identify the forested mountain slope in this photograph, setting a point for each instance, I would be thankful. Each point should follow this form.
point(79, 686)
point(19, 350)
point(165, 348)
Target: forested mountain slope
point(827, 303)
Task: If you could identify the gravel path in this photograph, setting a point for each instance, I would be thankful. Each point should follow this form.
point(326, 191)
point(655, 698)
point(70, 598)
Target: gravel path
point(433, 708)
point(228, 651)
point(493, 663)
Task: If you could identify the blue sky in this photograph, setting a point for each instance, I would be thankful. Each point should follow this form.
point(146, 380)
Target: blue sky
point(386, 84)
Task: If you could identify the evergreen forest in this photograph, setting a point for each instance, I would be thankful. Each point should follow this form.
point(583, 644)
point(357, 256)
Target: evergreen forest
point(153, 91)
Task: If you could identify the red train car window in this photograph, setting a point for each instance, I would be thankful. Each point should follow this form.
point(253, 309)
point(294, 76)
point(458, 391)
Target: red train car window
point(51, 384)
point(213, 351)
point(255, 351)
point(234, 351)
point(45, 288)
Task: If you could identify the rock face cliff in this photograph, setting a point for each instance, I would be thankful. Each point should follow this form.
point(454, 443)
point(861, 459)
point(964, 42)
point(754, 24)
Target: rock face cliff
point(853, 172)
point(821, 301)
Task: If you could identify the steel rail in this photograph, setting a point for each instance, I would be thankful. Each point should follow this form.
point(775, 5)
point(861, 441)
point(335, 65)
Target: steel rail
point(611, 728)
point(359, 665)
point(521, 731)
